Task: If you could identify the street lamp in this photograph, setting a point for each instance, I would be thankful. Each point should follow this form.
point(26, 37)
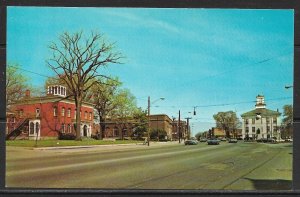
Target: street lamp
point(288, 86)
point(148, 138)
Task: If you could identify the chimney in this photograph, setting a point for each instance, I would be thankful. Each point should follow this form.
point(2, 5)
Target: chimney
point(27, 93)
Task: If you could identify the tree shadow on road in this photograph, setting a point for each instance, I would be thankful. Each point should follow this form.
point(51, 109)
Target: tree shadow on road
point(276, 184)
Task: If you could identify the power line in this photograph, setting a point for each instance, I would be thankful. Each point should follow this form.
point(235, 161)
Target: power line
point(240, 67)
point(222, 104)
point(42, 75)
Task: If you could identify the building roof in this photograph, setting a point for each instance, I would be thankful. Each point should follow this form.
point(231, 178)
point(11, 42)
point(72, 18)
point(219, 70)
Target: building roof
point(47, 99)
point(262, 112)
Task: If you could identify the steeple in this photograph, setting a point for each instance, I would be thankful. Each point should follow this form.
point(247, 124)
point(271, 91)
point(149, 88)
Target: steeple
point(260, 102)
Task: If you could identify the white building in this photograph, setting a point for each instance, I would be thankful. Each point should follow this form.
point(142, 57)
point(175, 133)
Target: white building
point(261, 122)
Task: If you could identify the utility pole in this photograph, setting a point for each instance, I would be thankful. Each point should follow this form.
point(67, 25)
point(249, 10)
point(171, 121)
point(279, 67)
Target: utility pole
point(188, 128)
point(148, 140)
point(179, 130)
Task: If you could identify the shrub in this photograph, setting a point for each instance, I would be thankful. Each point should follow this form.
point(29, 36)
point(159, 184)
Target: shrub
point(96, 137)
point(66, 136)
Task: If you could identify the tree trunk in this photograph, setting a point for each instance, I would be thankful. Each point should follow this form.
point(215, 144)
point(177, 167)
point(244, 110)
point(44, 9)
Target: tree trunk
point(102, 127)
point(78, 119)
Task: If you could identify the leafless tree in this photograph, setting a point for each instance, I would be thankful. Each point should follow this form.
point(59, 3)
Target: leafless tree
point(77, 59)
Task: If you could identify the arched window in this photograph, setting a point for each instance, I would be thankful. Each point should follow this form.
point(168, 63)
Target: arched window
point(69, 128)
point(37, 128)
point(37, 112)
point(63, 128)
point(69, 112)
point(31, 128)
point(63, 111)
point(90, 116)
point(54, 111)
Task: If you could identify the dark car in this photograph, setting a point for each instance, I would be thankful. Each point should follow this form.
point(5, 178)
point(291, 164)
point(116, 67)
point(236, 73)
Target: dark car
point(191, 142)
point(213, 142)
point(232, 140)
point(203, 140)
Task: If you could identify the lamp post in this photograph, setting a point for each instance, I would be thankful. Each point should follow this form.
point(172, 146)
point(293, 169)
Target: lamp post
point(148, 138)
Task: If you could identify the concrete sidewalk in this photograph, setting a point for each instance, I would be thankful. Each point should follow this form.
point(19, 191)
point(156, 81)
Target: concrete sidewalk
point(110, 146)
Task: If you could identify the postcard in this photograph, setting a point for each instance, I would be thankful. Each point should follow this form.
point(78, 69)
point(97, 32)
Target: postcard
point(149, 98)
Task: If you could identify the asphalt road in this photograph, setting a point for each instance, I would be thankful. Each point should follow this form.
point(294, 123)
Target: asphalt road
point(241, 166)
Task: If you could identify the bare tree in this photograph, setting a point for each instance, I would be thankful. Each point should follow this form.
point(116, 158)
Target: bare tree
point(77, 59)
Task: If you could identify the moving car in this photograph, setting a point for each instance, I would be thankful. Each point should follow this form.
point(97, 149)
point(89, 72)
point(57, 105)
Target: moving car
point(213, 142)
point(232, 140)
point(191, 142)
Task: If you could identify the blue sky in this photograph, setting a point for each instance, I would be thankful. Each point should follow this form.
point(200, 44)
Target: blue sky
point(191, 57)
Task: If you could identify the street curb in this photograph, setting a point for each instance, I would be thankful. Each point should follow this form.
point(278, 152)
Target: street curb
point(104, 145)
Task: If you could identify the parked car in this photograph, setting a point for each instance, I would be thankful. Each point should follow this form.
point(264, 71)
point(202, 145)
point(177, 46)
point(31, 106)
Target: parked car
point(223, 139)
point(232, 140)
point(213, 142)
point(190, 142)
point(265, 140)
point(203, 140)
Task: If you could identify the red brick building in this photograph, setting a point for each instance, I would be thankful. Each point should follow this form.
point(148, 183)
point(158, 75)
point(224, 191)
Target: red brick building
point(46, 116)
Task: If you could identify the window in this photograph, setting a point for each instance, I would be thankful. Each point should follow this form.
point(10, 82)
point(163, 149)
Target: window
point(90, 116)
point(63, 128)
point(247, 122)
point(275, 128)
point(21, 113)
point(31, 128)
point(85, 115)
point(37, 128)
point(69, 112)
point(69, 128)
point(55, 90)
point(253, 120)
point(268, 129)
point(253, 129)
point(75, 114)
point(275, 120)
point(268, 120)
point(54, 111)
point(63, 111)
point(247, 129)
point(37, 112)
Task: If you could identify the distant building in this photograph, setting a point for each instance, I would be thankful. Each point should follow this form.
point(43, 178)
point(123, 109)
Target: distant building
point(162, 122)
point(179, 130)
point(119, 129)
point(261, 122)
point(47, 116)
point(216, 132)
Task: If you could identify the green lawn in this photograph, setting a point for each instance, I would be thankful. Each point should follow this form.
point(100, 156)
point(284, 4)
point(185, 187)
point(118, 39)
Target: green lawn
point(52, 143)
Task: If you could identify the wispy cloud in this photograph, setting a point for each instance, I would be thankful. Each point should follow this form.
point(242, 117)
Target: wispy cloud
point(133, 19)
